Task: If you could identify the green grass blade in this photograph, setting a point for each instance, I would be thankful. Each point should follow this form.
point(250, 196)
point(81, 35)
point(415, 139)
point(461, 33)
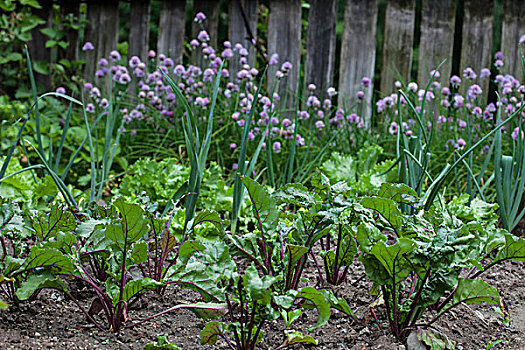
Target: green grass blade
point(65, 129)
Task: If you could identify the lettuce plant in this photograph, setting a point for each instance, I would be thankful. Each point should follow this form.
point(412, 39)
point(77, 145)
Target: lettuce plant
point(416, 261)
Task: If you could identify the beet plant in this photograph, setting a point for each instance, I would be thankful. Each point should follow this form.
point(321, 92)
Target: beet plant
point(430, 262)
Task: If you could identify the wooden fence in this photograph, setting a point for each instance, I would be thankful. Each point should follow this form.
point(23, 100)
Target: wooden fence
point(459, 31)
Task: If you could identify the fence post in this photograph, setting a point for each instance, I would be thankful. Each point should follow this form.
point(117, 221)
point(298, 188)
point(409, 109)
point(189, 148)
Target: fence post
point(101, 31)
point(320, 43)
point(171, 29)
point(513, 29)
point(437, 39)
point(139, 29)
point(398, 37)
point(284, 38)
point(476, 45)
point(238, 32)
point(358, 52)
point(37, 49)
point(211, 9)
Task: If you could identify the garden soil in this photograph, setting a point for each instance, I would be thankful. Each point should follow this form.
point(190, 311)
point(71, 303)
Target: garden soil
point(53, 322)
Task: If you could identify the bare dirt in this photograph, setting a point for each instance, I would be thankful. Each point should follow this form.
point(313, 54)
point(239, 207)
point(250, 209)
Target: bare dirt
point(53, 322)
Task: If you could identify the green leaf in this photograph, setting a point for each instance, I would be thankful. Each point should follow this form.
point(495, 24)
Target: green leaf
point(295, 252)
point(139, 252)
point(135, 287)
point(436, 341)
point(471, 291)
point(514, 249)
point(340, 167)
point(207, 216)
point(39, 281)
point(46, 187)
point(387, 208)
point(49, 258)
point(12, 56)
point(290, 317)
point(322, 306)
point(264, 205)
point(49, 32)
point(58, 219)
point(398, 192)
point(391, 257)
point(299, 195)
point(211, 331)
point(298, 337)
point(32, 3)
point(3, 305)
point(258, 288)
point(51, 43)
point(161, 344)
point(133, 226)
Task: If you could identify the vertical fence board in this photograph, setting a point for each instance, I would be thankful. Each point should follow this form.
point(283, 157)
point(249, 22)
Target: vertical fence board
point(284, 38)
point(320, 43)
point(513, 29)
point(67, 8)
point(37, 49)
point(397, 43)
point(102, 32)
point(358, 51)
point(211, 9)
point(139, 29)
point(437, 38)
point(171, 29)
point(476, 45)
point(237, 32)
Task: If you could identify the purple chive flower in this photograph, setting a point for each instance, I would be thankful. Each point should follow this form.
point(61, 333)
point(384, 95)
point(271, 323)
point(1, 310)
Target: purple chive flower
point(233, 146)
point(360, 95)
point(151, 54)
point(515, 134)
point(61, 90)
point(331, 92)
point(365, 82)
point(88, 46)
point(286, 66)
point(133, 132)
point(276, 147)
point(203, 36)
point(227, 53)
point(134, 61)
point(441, 119)
point(90, 108)
point(499, 55)
point(286, 122)
point(319, 124)
point(114, 55)
point(104, 103)
point(412, 86)
point(243, 52)
point(199, 17)
point(103, 62)
point(274, 59)
point(455, 81)
point(445, 91)
point(462, 124)
point(469, 73)
point(461, 143)
point(88, 87)
point(435, 73)
point(485, 72)
point(235, 166)
point(498, 63)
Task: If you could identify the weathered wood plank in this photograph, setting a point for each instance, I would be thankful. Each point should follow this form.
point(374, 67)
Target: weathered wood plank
point(211, 9)
point(237, 31)
point(320, 43)
point(397, 43)
point(139, 29)
point(476, 45)
point(37, 49)
point(284, 38)
point(437, 38)
point(512, 30)
point(358, 52)
point(102, 32)
point(68, 8)
point(171, 29)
